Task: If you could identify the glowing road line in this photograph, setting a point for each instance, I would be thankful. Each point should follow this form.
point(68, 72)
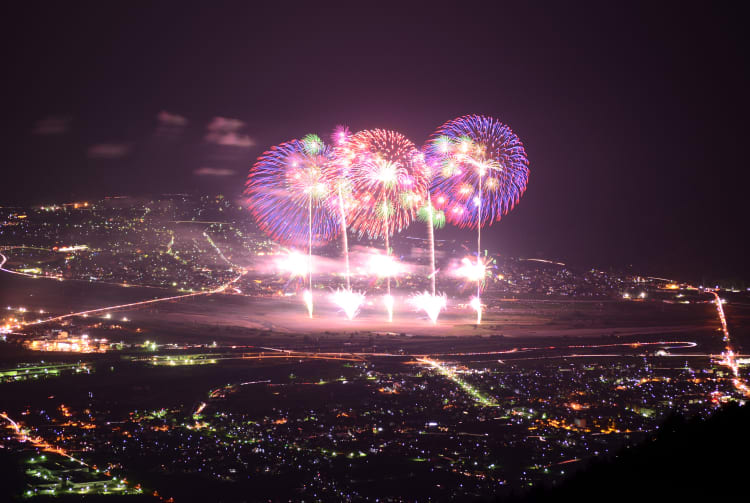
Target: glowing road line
point(473, 392)
point(422, 358)
point(60, 278)
point(137, 304)
point(45, 446)
point(279, 354)
point(545, 261)
point(218, 251)
point(38, 442)
point(666, 344)
point(729, 358)
point(352, 357)
point(5, 259)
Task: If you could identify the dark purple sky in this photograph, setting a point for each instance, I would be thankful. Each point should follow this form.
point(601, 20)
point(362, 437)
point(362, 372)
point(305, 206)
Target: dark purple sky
point(634, 118)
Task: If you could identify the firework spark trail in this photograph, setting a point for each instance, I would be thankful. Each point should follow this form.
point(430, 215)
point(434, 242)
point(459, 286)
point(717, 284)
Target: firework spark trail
point(431, 239)
point(348, 300)
point(309, 296)
point(430, 302)
point(336, 174)
point(346, 240)
point(288, 193)
point(383, 170)
point(482, 171)
point(478, 306)
point(388, 299)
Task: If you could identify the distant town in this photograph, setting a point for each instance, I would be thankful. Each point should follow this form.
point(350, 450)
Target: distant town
point(158, 348)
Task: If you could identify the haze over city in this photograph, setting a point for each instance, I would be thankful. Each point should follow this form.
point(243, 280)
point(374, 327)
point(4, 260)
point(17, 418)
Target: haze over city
point(349, 252)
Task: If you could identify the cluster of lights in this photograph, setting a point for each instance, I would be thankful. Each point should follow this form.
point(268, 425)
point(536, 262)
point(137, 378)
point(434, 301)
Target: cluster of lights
point(451, 374)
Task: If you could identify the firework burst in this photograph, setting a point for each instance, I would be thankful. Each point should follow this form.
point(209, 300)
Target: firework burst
point(303, 193)
point(293, 263)
point(480, 167)
point(349, 301)
point(387, 181)
point(430, 303)
point(340, 135)
point(481, 172)
point(384, 266)
point(285, 185)
point(473, 270)
point(288, 194)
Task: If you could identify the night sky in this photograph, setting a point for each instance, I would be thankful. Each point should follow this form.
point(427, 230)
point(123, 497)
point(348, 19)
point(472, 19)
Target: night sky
point(634, 118)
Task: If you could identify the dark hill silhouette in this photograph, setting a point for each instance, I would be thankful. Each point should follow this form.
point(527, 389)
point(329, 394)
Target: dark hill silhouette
point(686, 460)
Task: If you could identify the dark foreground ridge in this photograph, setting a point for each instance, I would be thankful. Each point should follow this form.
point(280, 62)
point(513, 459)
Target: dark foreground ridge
point(686, 460)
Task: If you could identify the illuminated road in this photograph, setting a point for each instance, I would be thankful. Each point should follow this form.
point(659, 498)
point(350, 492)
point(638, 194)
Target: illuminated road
point(281, 354)
point(5, 259)
point(37, 442)
point(139, 304)
point(664, 344)
point(432, 356)
point(451, 374)
point(131, 305)
point(729, 358)
point(351, 357)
